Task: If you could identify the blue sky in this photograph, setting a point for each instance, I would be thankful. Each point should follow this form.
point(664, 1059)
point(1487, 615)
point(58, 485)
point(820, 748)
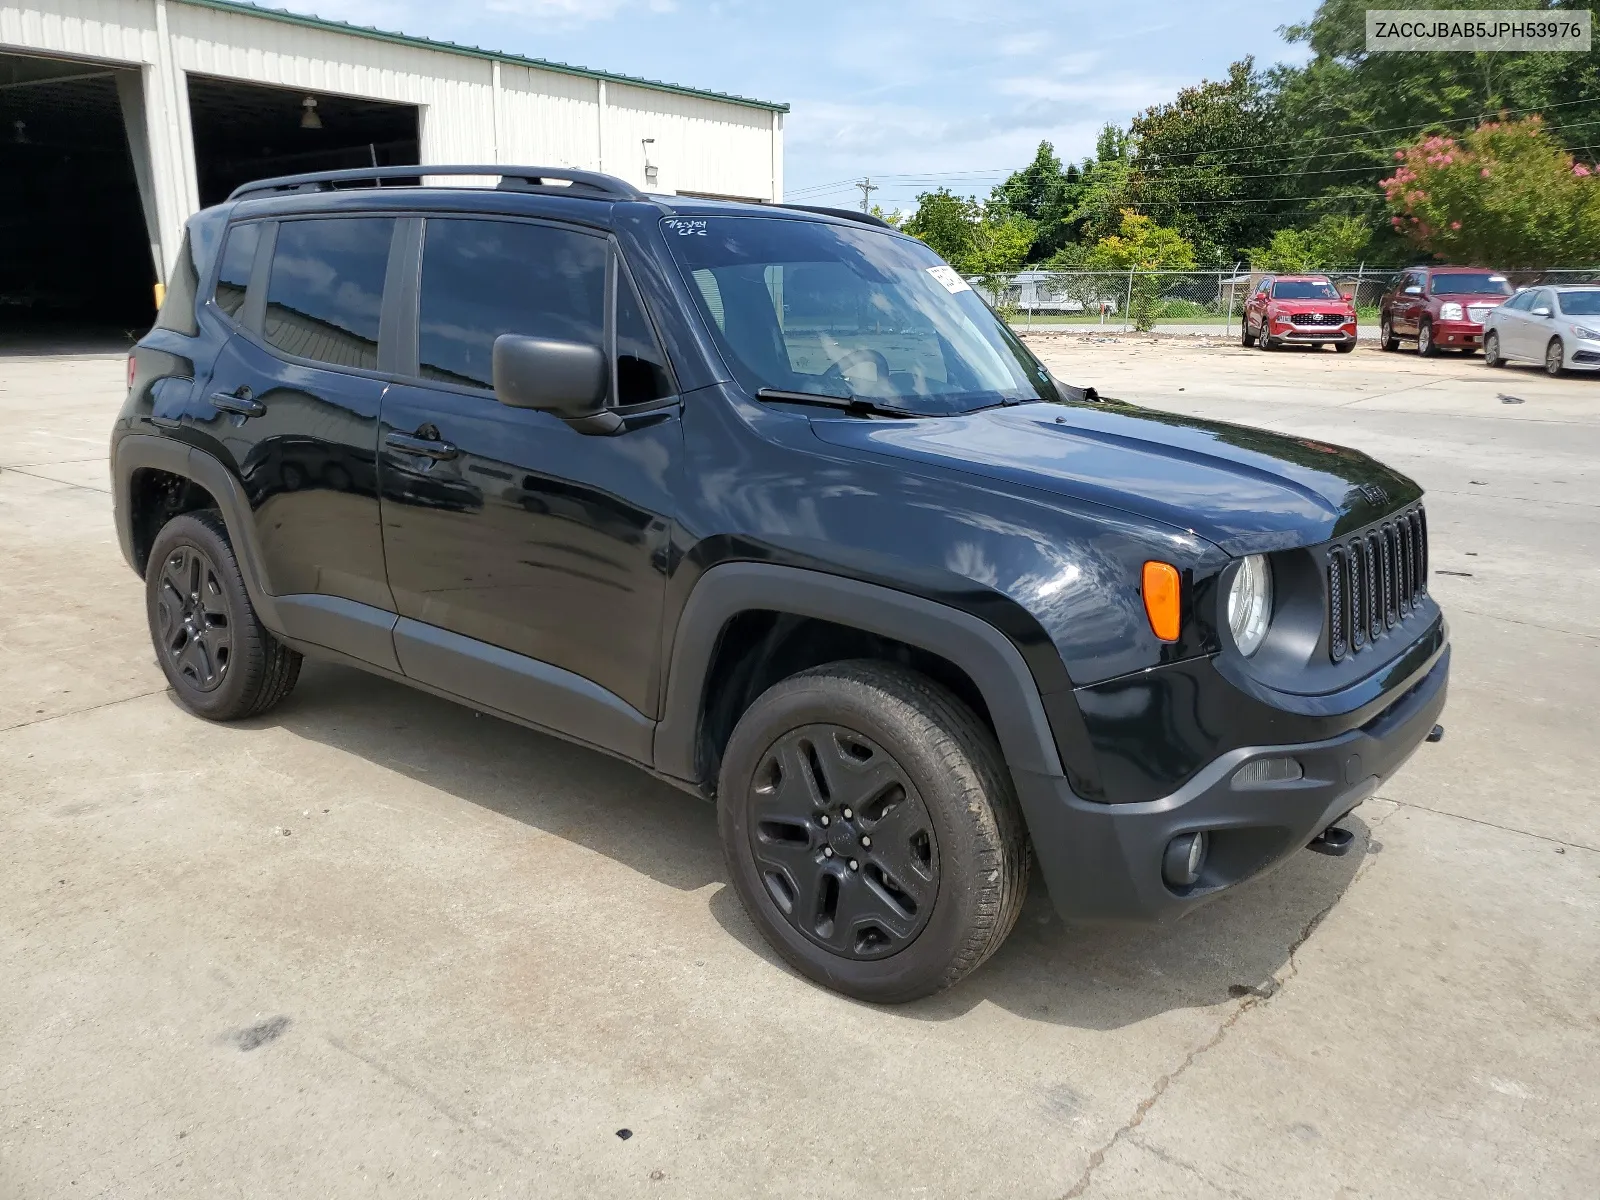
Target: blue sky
point(917, 95)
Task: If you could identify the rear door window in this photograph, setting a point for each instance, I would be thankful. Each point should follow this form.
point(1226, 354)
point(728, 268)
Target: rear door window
point(326, 289)
point(233, 276)
point(481, 279)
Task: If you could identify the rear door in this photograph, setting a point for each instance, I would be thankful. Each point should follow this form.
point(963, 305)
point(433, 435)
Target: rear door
point(1407, 308)
point(1537, 329)
point(297, 390)
point(515, 543)
point(1510, 324)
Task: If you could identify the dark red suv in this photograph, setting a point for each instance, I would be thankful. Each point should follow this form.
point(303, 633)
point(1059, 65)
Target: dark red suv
point(1304, 310)
point(1440, 306)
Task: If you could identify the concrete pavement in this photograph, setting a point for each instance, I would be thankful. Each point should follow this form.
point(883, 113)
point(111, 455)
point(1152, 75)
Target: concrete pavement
point(374, 944)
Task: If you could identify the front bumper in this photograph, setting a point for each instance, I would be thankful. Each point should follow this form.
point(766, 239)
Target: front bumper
point(1103, 861)
point(1582, 355)
point(1313, 335)
point(1467, 334)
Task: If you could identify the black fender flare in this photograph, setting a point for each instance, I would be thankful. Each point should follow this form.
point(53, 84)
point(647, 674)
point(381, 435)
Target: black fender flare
point(143, 451)
point(992, 662)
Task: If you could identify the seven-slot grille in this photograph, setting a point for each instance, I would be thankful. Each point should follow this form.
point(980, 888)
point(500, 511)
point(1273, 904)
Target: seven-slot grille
point(1375, 579)
point(1303, 318)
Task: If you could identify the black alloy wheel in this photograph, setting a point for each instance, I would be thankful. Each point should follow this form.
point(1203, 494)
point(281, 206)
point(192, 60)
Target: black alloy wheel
point(194, 630)
point(872, 830)
point(221, 662)
point(844, 843)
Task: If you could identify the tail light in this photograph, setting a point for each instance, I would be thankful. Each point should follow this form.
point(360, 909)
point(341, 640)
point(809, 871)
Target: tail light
point(132, 366)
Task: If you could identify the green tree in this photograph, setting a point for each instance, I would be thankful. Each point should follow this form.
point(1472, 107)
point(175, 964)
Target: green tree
point(945, 221)
point(1044, 193)
point(1141, 245)
point(1201, 163)
point(1502, 195)
point(1330, 242)
point(973, 238)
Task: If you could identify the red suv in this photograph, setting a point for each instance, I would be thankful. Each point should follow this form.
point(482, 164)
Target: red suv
point(1440, 306)
point(1298, 310)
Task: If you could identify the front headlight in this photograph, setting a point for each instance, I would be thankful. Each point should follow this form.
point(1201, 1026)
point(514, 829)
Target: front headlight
point(1586, 333)
point(1250, 603)
point(1450, 312)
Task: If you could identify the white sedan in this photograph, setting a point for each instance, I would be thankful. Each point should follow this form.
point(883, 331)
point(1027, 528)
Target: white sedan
point(1556, 326)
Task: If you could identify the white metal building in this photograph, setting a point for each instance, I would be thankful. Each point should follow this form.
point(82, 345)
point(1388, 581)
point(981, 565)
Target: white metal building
point(120, 118)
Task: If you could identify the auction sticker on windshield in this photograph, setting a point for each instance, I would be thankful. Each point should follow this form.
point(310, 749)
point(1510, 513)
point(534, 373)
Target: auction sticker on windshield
point(950, 278)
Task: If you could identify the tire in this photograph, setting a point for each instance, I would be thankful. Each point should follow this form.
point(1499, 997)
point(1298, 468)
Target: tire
point(905, 758)
point(218, 658)
point(1426, 346)
point(1246, 338)
point(1386, 337)
point(1555, 358)
point(1491, 350)
point(1264, 339)
point(1344, 347)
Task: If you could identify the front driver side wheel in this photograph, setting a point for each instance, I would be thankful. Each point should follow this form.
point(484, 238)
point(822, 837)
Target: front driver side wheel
point(1426, 346)
point(1491, 350)
point(871, 829)
point(1246, 338)
point(1555, 357)
point(1386, 337)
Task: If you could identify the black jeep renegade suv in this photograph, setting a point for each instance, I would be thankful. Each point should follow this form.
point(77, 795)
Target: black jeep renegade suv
point(767, 501)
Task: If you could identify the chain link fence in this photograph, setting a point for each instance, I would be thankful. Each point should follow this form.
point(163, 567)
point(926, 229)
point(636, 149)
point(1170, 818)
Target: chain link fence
point(1181, 301)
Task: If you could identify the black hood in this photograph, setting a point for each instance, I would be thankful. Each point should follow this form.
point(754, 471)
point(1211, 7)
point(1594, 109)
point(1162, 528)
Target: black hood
point(1243, 489)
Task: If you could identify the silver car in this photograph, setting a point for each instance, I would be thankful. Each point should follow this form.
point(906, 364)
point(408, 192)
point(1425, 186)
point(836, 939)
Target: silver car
point(1556, 326)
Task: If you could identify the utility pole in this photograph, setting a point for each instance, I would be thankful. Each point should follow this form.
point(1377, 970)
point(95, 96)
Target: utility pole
point(867, 188)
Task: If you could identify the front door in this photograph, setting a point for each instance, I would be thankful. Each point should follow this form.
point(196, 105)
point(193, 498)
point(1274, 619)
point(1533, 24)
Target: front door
point(297, 396)
point(1403, 314)
point(506, 527)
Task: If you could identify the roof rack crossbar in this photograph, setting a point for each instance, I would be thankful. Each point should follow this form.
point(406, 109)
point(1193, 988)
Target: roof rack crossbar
point(560, 180)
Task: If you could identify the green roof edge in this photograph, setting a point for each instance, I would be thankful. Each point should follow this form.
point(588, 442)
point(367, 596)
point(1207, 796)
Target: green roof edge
point(405, 39)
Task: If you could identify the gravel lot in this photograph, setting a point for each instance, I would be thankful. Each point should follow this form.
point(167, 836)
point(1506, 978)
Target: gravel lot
point(375, 945)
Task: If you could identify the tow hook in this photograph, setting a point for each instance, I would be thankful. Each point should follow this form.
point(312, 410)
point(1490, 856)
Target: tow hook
point(1333, 841)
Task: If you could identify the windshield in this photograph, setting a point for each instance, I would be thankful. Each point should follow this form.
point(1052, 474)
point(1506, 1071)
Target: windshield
point(1580, 304)
point(1479, 283)
point(1304, 289)
point(831, 310)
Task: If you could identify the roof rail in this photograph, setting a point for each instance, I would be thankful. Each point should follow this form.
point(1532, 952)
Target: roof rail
point(848, 214)
point(555, 180)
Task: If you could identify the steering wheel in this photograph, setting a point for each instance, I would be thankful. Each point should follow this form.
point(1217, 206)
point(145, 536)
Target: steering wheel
point(855, 357)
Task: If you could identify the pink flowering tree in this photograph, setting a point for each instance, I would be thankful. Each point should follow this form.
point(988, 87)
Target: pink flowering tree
point(1502, 195)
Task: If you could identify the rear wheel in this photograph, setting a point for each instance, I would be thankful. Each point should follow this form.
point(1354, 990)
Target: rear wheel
point(1555, 357)
point(1426, 346)
point(871, 830)
point(1491, 350)
point(1386, 337)
point(221, 662)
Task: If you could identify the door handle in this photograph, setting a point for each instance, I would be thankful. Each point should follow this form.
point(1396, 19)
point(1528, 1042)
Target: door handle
point(427, 447)
point(240, 402)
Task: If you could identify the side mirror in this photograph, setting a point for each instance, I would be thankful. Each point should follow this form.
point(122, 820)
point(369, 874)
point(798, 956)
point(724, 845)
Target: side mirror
point(567, 379)
point(1541, 311)
point(1413, 290)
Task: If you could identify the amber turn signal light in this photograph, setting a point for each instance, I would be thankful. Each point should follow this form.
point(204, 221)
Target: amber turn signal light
point(1161, 599)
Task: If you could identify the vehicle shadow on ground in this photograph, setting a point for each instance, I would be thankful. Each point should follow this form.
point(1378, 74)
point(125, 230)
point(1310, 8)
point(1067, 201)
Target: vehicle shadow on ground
point(1092, 977)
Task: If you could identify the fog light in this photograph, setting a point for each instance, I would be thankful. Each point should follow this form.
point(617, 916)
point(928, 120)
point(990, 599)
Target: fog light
point(1185, 856)
point(1265, 772)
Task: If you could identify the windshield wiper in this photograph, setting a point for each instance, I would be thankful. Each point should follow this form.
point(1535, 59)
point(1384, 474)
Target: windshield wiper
point(849, 403)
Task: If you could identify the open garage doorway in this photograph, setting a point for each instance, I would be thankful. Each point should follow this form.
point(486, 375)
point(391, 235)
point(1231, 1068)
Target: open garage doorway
point(75, 262)
point(244, 131)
